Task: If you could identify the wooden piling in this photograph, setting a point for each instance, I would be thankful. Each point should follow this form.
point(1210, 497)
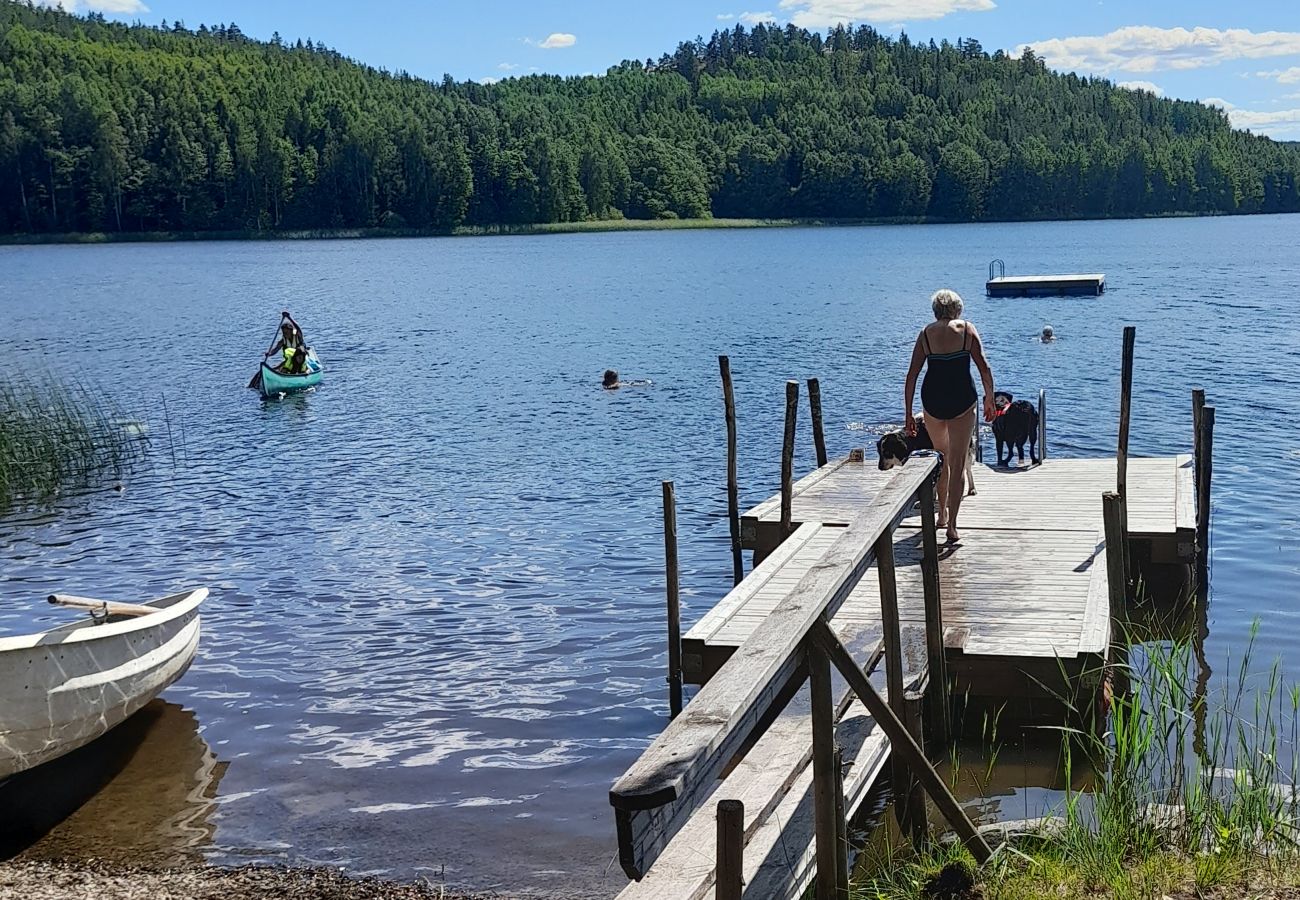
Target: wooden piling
point(936, 658)
point(787, 457)
point(1112, 506)
point(1125, 410)
point(842, 835)
point(733, 483)
point(909, 804)
point(1206, 475)
point(730, 882)
point(1042, 425)
point(674, 602)
point(828, 827)
point(1198, 453)
point(819, 435)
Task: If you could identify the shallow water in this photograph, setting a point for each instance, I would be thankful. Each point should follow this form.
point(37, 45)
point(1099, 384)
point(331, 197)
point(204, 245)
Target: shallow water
point(435, 636)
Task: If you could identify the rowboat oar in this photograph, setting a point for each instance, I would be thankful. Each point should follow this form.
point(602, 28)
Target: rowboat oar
point(106, 607)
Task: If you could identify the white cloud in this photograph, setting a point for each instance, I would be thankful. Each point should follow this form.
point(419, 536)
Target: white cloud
point(556, 41)
point(1283, 124)
point(1283, 76)
point(726, 17)
point(1144, 48)
point(507, 67)
point(757, 18)
point(107, 6)
point(488, 79)
point(827, 13)
point(1143, 86)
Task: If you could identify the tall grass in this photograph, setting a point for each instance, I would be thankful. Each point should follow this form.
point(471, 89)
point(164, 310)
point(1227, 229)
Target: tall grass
point(56, 437)
point(1192, 790)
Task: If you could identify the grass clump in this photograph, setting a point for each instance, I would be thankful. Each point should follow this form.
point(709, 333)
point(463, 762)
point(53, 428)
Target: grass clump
point(55, 437)
point(1194, 794)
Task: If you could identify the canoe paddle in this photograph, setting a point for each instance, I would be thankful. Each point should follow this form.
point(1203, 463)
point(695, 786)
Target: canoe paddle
point(256, 383)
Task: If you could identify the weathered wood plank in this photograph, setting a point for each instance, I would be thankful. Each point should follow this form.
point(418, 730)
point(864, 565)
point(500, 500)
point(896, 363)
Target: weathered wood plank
point(668, 782)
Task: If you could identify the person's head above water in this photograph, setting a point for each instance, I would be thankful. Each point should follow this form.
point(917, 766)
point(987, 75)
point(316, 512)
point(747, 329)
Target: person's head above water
point(1048, 333)
point(946, 304)
point(611, 379)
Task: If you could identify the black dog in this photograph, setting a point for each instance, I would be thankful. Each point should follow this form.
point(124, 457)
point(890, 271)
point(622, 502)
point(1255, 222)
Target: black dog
point(895, 447)
point(1015, 423)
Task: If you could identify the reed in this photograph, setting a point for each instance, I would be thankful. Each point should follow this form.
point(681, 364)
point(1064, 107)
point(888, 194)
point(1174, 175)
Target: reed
point(56, 437)
point(1193, 792)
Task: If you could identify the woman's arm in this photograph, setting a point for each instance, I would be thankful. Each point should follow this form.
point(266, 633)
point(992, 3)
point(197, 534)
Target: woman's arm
point(909, 386)
point(986, 373)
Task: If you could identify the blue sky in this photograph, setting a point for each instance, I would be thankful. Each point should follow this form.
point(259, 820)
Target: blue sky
point(1244, 56)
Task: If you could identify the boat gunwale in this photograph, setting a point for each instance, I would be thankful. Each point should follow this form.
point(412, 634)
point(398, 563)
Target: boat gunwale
point(171, 607)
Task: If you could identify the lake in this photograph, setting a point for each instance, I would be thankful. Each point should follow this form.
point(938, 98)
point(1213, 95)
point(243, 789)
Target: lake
point(436, 628)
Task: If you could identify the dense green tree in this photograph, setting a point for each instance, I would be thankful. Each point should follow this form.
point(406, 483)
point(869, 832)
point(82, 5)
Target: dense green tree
point(122, 128)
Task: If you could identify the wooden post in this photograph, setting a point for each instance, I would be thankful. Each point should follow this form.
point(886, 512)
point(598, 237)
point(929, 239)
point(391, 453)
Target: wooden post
point(674, 603)
point(842, 836)
point(828, 827)
point(733, 484)
point(787, 457)
point(1042, 425)
point(1116, 565)
point(1125, 409)
point(731, 850)
point(1198, 452)
point(901, 741)
point(819, 435)
point(1206, 472)
point(936, 657)
point(1125, 414)
point(909, 804)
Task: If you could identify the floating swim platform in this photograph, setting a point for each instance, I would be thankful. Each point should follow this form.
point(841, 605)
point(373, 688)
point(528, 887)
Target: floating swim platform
point(1091, 284)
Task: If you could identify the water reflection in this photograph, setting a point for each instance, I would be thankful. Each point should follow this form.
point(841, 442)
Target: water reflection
point(146, 788)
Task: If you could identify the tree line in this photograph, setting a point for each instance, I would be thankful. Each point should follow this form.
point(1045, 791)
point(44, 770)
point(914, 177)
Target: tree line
point(130, 128)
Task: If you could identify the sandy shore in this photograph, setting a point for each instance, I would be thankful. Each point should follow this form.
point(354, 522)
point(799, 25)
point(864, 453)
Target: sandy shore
point(102, 880)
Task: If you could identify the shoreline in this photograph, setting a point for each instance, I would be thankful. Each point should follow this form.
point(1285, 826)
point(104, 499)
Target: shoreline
point(99, 879)
point(597, 226)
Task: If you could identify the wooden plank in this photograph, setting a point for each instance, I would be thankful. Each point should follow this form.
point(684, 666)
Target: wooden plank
point(1094, 635)
point(1185, 495)
point(662, 789)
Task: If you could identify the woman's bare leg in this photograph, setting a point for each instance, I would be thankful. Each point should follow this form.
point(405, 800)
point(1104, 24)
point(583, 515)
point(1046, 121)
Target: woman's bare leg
point(958, 436)
point(938, 431)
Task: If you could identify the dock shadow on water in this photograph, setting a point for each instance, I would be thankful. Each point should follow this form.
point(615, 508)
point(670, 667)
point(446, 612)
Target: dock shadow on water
point(145, 791)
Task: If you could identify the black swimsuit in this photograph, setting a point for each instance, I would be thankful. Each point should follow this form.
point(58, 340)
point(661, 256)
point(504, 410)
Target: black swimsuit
point(948, 390)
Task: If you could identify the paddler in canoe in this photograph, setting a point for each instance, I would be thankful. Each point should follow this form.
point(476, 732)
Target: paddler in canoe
point(297, 367)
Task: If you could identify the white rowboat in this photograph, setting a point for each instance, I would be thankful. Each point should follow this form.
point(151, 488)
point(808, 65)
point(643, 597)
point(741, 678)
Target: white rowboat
point(60, 689)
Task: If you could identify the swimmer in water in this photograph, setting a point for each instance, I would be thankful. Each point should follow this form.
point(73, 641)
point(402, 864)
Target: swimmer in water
point(1048, 334)
point(611, 383)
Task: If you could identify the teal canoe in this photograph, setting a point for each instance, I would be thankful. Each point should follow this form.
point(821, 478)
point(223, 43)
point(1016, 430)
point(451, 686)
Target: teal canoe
point(275, 383)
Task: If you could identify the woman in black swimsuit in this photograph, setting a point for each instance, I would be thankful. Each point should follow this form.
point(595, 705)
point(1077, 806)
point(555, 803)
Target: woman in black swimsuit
point(946, 347)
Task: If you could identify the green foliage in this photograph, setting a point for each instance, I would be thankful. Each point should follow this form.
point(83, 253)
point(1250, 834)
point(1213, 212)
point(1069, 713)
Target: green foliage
point(115, 128)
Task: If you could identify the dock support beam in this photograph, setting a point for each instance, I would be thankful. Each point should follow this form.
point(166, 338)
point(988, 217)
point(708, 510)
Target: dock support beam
point(1204, 476)
point(730, 881)
point(830, 857)
point(901, 742)
point(787, 457)
point(733, 484)
point(1125, 414)
point(674, 602)
point(935, 653)
point(1112, 510)
point(819, 434)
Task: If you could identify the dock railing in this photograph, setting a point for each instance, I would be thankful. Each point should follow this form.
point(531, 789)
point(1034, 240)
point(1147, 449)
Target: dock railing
point(676, 775)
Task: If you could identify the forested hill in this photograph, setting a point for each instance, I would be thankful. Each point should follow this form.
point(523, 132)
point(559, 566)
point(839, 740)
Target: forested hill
point(107, 127)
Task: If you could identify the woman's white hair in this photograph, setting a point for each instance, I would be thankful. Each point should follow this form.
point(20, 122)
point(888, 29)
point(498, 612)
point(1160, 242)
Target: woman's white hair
point(946, 304)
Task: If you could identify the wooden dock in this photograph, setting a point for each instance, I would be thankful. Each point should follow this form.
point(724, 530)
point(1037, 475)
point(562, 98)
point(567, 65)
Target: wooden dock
point(1089, 285)
point(856, 638)
point(1023, 594)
